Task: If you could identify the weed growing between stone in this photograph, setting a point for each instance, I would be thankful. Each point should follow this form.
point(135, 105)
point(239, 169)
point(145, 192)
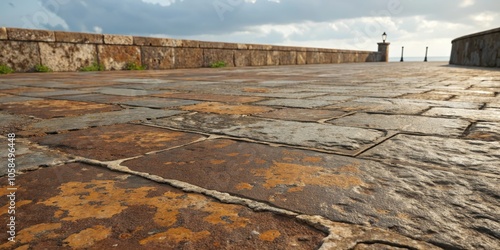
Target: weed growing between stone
point(4, 69)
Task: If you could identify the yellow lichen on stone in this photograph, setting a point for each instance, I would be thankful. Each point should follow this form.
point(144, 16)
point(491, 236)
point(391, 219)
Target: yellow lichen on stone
point(270, 235)
point(88, 237)
point(244, 186)
point(176, 235)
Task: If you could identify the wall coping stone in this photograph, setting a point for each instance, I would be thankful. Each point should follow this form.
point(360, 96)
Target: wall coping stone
point(77, 37)
point(118, 39)
point(3, 33)
point(482, 33)
point(30, 35)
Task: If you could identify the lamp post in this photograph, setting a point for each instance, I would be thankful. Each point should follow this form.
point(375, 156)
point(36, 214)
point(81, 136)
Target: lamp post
point(383, 49)
point(426, 50)
point(402, 52)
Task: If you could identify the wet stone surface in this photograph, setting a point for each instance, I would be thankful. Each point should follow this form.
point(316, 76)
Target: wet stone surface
point(347, 140)
point(405, 123)
point(403, 198)
point(85, 202)
point(371, 155)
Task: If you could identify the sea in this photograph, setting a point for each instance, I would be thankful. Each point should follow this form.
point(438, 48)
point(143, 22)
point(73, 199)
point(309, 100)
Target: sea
point(421, 59)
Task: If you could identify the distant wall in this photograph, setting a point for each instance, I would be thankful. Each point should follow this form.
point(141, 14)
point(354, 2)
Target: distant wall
point(23, 49)
point(480, 49)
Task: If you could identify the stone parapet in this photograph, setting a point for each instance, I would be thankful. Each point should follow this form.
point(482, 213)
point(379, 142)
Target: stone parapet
point(480, 49)
point(23, 49)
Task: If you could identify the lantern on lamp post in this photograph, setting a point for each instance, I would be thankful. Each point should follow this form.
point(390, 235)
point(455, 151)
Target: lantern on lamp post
point(384, 37)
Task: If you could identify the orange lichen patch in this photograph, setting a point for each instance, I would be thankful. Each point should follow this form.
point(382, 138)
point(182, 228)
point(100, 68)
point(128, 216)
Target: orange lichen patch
point(23, 247)
point(88, 237)
point(403, 216)
point(226, 109)
point(217, 162)
point(224, 214)
point(54, 108)
point(298, 176)
point(244, 186)
point(148, 138)
point(428, 96)
point(176, 235)
point(312, 159)
point(5, 209)
point(38, 231)
point(223, 144)
point(482, 136)
point(233, 154)
point(270, 235)
point(95, 199)
point(256, 90)
point(260, 161)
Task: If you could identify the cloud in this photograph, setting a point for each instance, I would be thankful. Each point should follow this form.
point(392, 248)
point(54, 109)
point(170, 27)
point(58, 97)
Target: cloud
point(356, 24)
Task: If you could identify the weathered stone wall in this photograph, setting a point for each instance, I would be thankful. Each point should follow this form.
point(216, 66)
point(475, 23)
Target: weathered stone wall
point(23, 49)
point(480, 49)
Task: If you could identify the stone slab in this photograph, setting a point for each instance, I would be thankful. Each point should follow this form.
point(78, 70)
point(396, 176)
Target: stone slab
point(474, 115)
point(453, 154)
point(211, 56)
point(486, 131)
point(29, 157)
point(339, 188)
point(211, 97)
point(242, 58)
point(429, 96)
point(480, 99)
point(188, 58)
point(226, 109)
point(153, 41)
point(374, 107)
point(116, 141)
point(101, 119)
point(334, 98)
point(157, 58)
point(80, 206)
point(53, 93)
point(122, 91)
point(75, 37)
point(448, 104)
point(258, 58)
point(304, 115)
point(118, 39)
point(47, 109)
point(295, 103)
point(99, 98)
point(16, 34)
point(20, 56)
point(12, 98)
point(321, 136)
point(13, 123)
point(67, 56)
point(157, 102)
point(405, 123)
point(115, 57)
point(3, 33)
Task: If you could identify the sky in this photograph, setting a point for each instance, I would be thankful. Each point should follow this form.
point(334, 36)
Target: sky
point(354, 24)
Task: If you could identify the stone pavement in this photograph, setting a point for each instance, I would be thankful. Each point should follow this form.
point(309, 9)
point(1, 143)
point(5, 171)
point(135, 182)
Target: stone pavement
point(351, 156)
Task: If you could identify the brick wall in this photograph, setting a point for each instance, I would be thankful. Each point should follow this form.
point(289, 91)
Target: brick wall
point(23, 49)
point(480, 49)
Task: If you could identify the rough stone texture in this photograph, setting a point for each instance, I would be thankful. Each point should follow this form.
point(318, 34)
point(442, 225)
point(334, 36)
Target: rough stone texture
point(313, 57)
point(82, 209)
point(13, 123)
point(242, 58)
point(152, 41)
point(118, 39)
point(296, 103)
point(158, 57)
point(211, 97)
point(486, 131)
point(115, 142)
point(273, 58)
point(74, 37)
point(409, 200)
point(345, 140)
point(20, 56)
point(258, 58)
point(405, 123)
point(288, 57)
point(306, 115)
point(480, 49)
point(211, 56)
point(100, 119)
point(16, 34)
point(115, 57)
point(152, 102)
point(301, 58)
point(226, 109)
point(67, 56)
point(469, 114)
point(3, 33)
point(453, 154)
point(188, 58)
point(122, 91)
point(379, 108)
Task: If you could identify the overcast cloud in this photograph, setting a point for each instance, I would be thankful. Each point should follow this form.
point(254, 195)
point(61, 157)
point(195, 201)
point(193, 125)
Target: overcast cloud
point(355, 24)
